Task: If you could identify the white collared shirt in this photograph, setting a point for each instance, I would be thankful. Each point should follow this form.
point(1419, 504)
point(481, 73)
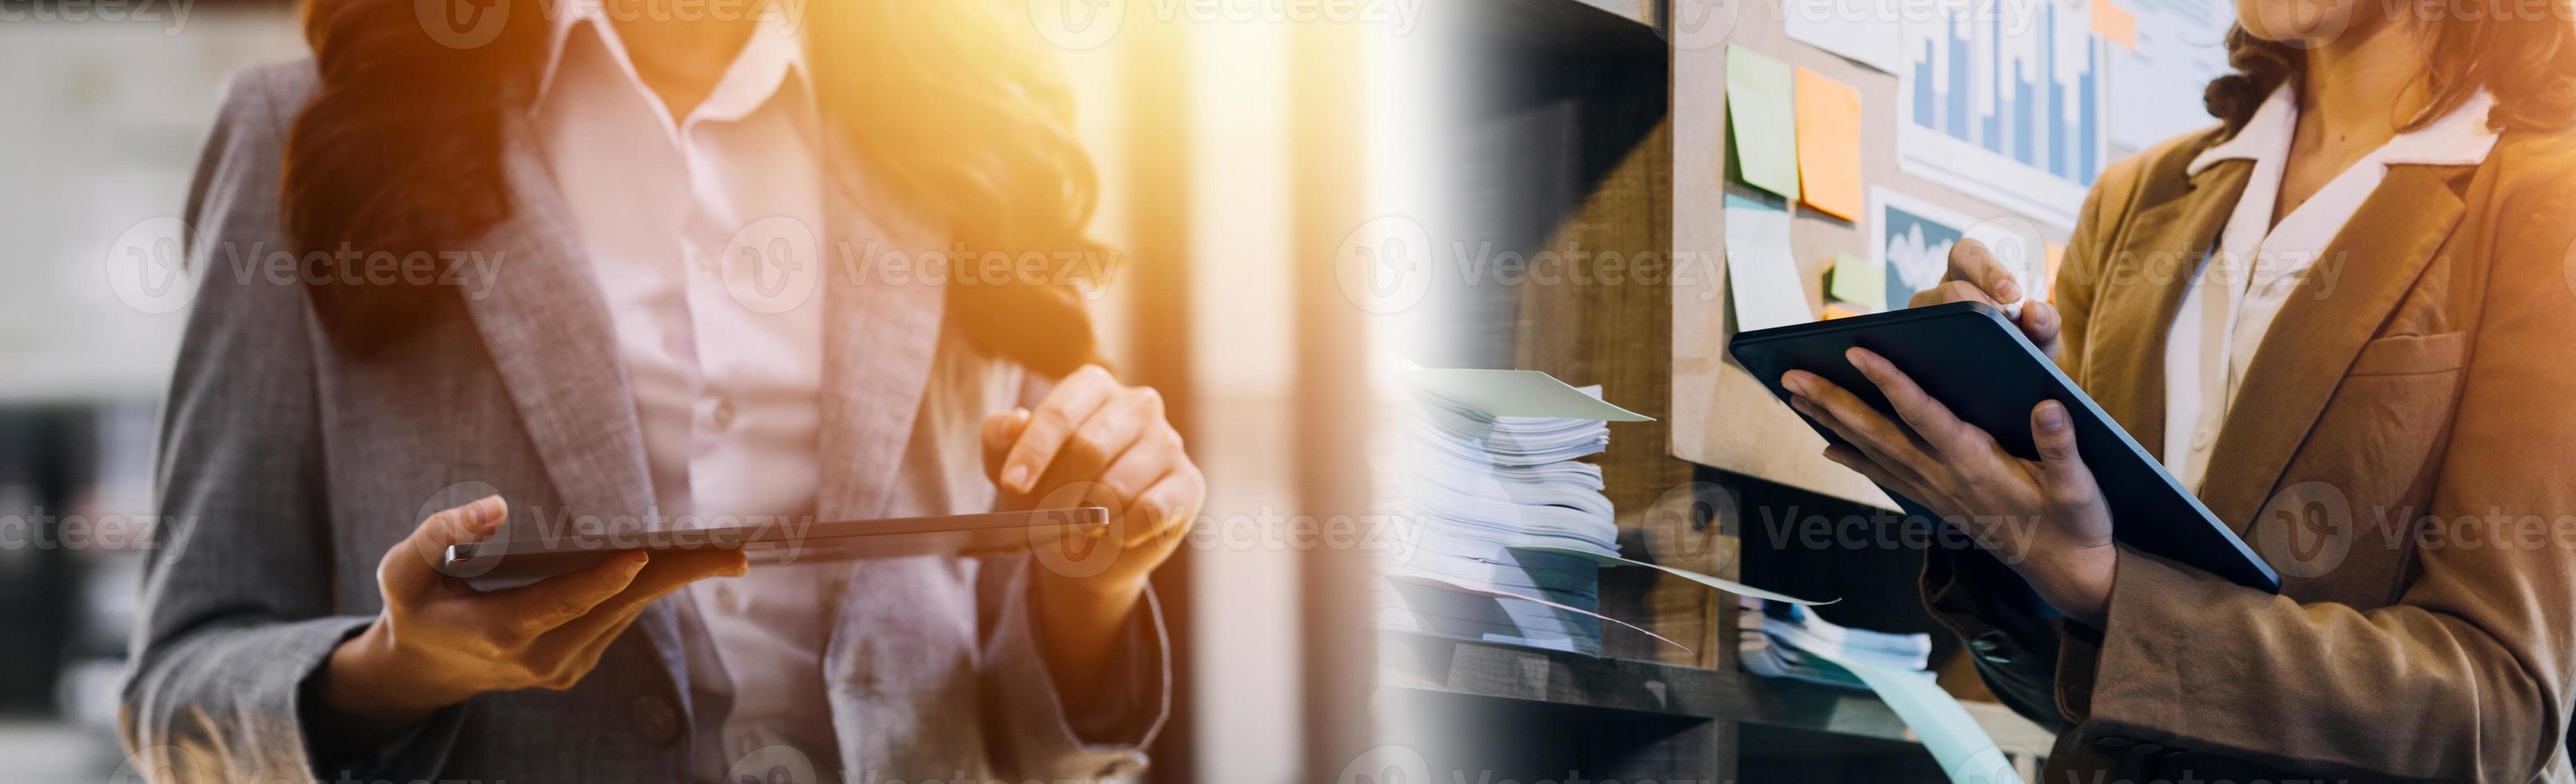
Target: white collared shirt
point(726, 394)
point(2258, 265)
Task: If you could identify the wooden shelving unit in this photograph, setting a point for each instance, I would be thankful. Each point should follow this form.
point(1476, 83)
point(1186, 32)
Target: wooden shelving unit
point(1569, 145)
point(1476, 670)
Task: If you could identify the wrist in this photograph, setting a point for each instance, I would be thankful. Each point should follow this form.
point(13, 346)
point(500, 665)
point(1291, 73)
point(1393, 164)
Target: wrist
point(367, 685)
point(2079, 583)
point(1096, 597)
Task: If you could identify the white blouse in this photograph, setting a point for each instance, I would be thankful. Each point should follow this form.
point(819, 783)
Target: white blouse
point(726, 390)
point(2258, 265)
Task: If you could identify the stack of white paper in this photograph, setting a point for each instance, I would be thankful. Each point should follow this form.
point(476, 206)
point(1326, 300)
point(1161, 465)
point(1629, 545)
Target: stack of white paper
point(1782, 640)
point(1477, 481)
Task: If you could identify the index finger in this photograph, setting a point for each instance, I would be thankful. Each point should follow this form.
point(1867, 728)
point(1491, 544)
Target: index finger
point(1054, 421)
point(1973, 262)
point(1932, 421)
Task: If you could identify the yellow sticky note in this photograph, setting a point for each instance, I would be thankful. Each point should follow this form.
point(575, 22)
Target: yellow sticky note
point(1858, 282)
point(2115, 24)
point(1829, 145)
point(1760, 112)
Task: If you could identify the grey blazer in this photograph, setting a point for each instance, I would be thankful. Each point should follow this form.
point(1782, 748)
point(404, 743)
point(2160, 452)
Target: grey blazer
point(287, 470)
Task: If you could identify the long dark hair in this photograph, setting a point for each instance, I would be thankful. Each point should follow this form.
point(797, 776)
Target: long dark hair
point(401, 149)
point(2528, 64)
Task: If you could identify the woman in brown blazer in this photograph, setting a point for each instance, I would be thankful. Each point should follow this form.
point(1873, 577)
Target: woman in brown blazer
point(2345, 317)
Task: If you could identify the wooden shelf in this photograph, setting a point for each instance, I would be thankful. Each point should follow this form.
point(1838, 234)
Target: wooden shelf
point(1433, 665)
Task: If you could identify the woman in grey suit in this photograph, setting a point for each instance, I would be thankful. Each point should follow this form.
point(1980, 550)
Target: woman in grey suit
point(537, 268)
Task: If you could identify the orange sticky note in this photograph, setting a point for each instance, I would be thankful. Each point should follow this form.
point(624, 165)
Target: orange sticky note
point(2115, 24)
point(1829, 145)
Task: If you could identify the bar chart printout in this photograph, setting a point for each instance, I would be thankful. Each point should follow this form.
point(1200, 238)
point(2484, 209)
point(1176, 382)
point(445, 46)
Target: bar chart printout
point(2002, 101)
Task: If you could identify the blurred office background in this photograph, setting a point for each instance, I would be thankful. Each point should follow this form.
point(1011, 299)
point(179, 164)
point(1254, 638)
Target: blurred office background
point(1220, 166)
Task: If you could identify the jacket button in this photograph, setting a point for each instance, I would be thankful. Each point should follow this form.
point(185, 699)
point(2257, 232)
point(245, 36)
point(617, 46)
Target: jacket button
point(2112, 741)
point(655, 720)
point(1991, 647)
point(2146, 748)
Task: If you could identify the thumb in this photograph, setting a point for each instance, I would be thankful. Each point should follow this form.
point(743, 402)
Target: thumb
point(2061, 468)
point(413, 563)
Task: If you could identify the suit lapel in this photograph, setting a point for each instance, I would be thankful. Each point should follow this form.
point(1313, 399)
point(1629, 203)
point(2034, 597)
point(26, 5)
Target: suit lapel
point(548, 332)
point(2322, 328)
point(879, 335)
point(2142, 286)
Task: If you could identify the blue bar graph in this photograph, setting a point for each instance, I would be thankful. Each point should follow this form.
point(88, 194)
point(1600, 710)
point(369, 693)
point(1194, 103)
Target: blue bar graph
point(1999, 84)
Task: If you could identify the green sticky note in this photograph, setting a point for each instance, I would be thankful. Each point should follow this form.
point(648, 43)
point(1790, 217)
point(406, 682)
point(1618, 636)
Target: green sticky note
point(1761, 111)
point(1859, 282)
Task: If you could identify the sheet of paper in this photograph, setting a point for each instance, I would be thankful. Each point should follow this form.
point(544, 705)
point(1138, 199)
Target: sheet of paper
point(1729, 586)
point(1760, 272)
point(2005, 107)
point(1963, 749)
point(1764, 118)
point(1829, 145)
point(1867, 33)
point(1912, 238)
point(1860, 282)
point(1514, 393)
point(1497, 593)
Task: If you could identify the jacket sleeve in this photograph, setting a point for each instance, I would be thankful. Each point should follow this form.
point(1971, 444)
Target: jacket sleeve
point(1038, 738)
point(2465, 677)
point(237, 605)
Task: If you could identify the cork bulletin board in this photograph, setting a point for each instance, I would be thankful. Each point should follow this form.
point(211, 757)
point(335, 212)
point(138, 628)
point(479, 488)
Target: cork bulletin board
point(1722, 416)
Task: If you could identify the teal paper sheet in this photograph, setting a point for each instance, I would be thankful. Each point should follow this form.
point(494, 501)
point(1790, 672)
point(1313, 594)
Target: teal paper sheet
point(1963, 748)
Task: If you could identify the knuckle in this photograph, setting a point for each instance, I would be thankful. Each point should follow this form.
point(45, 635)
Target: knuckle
point(504, 640)
point(1093, 444)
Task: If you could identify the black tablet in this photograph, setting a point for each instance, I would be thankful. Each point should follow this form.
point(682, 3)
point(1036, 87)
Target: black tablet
point(1967, 356)
point(782, 539)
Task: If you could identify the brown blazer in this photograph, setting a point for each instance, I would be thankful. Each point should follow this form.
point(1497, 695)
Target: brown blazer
point(2403, 451)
